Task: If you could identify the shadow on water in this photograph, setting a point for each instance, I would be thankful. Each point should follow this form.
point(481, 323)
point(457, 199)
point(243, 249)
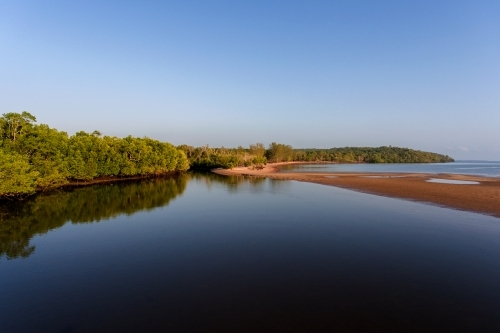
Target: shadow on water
point(22, 220)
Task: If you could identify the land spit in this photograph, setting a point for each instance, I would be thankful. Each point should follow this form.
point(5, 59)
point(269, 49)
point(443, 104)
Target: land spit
point(480, 198)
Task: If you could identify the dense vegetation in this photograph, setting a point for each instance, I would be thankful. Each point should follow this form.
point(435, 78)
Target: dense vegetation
point(257, 155)
point(37, 157)
point(369, 155)
point(209, 158)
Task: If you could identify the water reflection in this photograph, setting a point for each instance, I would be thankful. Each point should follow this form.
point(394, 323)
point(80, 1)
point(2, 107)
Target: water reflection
point(21, 221)
point(248, 255)
point(236, 184)
point(232, 183)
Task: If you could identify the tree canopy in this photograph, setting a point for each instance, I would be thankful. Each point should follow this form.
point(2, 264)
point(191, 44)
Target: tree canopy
point(36, 157)
point(257, 155)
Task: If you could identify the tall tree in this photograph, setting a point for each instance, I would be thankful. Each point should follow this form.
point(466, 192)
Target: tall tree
point(14, 125)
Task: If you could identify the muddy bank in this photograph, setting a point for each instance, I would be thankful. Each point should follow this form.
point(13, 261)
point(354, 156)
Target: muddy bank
point(483, 196)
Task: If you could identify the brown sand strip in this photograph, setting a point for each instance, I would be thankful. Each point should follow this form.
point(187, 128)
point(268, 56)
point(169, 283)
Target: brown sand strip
point(481, 198)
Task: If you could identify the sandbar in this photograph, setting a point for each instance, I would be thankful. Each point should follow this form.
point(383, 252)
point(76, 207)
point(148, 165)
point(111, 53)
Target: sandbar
point(483, 197)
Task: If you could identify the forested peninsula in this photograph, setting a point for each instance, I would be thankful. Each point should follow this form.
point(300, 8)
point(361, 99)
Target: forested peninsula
point(257, 155)
point(35, 157)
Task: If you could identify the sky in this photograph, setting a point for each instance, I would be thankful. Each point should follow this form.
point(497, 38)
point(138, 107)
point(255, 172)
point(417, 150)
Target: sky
point(417, 74)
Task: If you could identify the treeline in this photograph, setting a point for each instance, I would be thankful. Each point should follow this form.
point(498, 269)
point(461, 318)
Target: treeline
point(257, 155)
point(36, 157)
point(209, 158)
point(370, 155)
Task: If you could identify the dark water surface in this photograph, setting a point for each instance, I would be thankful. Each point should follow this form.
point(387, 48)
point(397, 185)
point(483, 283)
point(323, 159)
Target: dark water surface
point(205, 253)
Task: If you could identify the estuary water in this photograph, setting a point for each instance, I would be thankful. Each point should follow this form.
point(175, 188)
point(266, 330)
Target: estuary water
point(207, 253)
point(477, 168)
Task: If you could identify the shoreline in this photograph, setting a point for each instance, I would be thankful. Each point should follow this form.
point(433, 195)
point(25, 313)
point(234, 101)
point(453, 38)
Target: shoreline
point(119, 179)
point(72, 184)
point(481, 198)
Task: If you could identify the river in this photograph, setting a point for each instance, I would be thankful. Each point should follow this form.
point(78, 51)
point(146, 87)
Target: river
point(207, 253)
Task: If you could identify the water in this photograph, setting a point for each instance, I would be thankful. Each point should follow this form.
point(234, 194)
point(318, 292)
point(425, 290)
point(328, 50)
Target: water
point(485, 169)
point(452, 181)
point(206, 253)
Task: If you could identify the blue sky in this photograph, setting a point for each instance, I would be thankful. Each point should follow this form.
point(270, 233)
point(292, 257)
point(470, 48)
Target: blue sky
point(418, 74)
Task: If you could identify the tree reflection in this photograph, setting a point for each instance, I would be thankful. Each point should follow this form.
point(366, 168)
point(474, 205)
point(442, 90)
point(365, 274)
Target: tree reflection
point(231, 182)
point(19, 222)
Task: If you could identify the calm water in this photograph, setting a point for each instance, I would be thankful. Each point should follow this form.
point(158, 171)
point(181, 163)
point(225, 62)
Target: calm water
point(487, 169)
point(204, 253)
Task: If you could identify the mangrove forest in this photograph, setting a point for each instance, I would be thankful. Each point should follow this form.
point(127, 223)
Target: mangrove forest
point(35, 157)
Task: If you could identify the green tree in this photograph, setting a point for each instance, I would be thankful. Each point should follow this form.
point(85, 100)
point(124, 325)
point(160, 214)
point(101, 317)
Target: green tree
point(17, 177)
point(278, 152)
point(257, 150)
point(13, 125)
point(57, 158)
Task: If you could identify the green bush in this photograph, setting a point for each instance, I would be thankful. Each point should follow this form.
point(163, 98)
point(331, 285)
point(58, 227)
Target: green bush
point(17, 177)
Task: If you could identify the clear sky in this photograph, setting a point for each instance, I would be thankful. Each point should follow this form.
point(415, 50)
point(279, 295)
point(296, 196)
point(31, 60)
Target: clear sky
point(417, 74)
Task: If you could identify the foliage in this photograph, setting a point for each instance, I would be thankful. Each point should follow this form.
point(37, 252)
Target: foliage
point(256, 155)
point(369, 155)
point(278, 152)
point(209, 158)
point(13, 125)
point(37, 157)
point(17, 177)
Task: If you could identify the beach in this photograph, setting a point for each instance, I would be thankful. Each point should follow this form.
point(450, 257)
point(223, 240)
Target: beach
point(482, 195)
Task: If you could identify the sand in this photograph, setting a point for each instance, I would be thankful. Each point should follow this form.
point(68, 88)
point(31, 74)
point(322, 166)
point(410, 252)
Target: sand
point(480, 198)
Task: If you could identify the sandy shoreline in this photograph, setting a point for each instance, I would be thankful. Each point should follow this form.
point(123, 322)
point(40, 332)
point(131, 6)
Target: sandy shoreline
point(480, 198)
